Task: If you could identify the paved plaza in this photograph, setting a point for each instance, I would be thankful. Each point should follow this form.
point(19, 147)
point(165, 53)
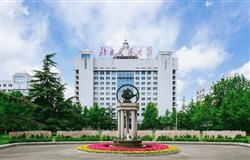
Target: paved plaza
point(68, 152)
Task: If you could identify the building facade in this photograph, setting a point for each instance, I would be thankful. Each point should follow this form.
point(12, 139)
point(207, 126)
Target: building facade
point(202, 91)
point(97, 79)
point(20, 82)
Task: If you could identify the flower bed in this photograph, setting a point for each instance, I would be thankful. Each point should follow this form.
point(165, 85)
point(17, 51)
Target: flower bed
point(149, 148)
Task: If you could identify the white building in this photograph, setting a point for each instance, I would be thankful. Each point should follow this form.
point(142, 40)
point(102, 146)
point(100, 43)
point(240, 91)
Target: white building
point(97, 79)
point(6, 85)
point(202, 91)
point(19, 82)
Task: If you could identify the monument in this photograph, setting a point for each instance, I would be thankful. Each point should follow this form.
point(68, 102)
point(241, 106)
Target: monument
point(127, 142)
point(127, 95)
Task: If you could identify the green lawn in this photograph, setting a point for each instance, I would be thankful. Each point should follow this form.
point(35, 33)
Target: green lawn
point(4, 139)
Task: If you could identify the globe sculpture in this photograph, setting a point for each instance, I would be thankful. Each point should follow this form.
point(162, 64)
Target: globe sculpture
point(127, 95)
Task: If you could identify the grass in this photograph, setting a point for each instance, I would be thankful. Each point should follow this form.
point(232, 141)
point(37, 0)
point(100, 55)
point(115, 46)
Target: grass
point(4, 139)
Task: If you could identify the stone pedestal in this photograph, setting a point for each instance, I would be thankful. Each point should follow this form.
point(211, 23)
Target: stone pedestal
point(124, 111)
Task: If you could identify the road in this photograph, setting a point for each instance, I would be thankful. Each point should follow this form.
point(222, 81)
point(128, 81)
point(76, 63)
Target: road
point(68, 152)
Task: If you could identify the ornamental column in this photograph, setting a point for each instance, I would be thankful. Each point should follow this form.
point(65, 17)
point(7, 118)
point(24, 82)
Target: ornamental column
point(119, 123)
point(133, 124)
point(127, 123)
point(122, 124)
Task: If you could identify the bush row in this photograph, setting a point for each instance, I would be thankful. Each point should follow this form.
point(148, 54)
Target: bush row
point(85, 138)
point(237, 138)
point(32, 138)
point(41, 138)
point(176, 138)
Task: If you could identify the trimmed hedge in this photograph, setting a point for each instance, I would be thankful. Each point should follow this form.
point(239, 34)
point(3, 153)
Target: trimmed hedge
point(32, 138)
point(176, 138)
point(237, 138)
point(82, 138)
point(146, 138)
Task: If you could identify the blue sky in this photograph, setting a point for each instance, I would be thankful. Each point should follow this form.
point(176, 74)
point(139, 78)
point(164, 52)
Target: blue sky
point(210, 38)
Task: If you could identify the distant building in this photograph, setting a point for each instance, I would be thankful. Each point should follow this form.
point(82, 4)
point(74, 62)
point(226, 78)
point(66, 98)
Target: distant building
point(6, 85)
point(20, 82)
point(97, 79)
point(202, 91)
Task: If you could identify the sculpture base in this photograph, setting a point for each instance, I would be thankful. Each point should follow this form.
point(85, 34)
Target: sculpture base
point(127, 144)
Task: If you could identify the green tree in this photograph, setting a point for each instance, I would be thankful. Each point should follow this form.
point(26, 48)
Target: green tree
point(98, 118)
point(231, 102)
point(47, 91)
point(17, 114)
point(150, 120)
point(166, 121)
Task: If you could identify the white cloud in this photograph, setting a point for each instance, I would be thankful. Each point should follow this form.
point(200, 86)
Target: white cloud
point(21, 38)
point(244, 69)
point(208, 3)
point(200, 57)
point(95, 24)
point(201, 81)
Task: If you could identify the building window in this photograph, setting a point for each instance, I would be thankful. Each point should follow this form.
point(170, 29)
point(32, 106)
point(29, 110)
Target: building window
point(125, 77)
point(107, 83)
point(85, 63)
point(113, 83)
point(102, 73)
point(148, 83)
point(149, 72)
point(143, 72)
point(107, 78)
point(101, 78)
point(143, 83)
point(143, 78)
point(174, 71)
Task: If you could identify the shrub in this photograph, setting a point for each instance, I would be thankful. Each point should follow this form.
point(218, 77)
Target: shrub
point(108, 138)
point(32, 138)
point(146, 138)
point(186, 138)
point(82, 138)
point(164, 138)
point(237, 138)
